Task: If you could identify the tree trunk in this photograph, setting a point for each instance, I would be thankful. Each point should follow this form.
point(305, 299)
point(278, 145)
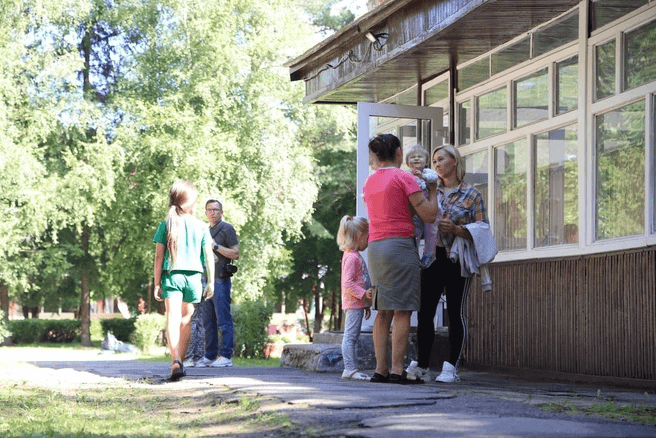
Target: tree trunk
point(4, 305)
point(306, 309)
point(149, 302)
point(318, 312)
point(85, 295)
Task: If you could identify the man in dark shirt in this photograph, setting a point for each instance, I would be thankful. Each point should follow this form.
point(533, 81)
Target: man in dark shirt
point(216, 311)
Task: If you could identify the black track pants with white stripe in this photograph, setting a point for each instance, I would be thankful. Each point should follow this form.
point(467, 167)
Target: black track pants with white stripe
point(442, 276)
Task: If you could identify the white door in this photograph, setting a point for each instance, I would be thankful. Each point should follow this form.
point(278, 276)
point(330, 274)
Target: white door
point(412, 125)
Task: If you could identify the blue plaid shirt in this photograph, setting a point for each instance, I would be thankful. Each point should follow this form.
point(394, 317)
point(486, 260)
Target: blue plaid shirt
point(465, 205)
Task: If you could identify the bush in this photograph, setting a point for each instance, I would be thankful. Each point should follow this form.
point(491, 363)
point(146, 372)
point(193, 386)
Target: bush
point(38, 330)
point(4, 328)
point(62, 331)
point(147, 329)
point(121, 328)
point(251, 319)
point(96, 331)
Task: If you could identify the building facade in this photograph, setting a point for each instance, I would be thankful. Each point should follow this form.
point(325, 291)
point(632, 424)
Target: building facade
point(552, 104)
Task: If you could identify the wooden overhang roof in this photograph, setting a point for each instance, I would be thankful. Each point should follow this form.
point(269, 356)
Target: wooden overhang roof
point(419, 38)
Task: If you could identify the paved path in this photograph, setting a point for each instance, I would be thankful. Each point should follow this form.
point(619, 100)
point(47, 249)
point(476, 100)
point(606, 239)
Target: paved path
point(481, 405)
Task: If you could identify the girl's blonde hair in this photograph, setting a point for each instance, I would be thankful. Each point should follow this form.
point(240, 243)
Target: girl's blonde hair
point(182, 200)
point(350, 228)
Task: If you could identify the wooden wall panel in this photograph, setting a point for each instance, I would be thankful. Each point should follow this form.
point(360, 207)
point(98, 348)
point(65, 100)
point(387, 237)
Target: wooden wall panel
point(591, 315)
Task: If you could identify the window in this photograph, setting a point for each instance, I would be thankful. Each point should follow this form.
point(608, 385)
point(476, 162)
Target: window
point(620, 171)
point(511, 56)
point(639, 59)
point(605, 11)
point(492, 113)
point(464, 130)
point(436, 93)
point(510, 195)
point(556, 207)
point(531, 98)
point(567, 85)
point(477, 175)
point(474, 73)
point(605, 63)
point(561, 32)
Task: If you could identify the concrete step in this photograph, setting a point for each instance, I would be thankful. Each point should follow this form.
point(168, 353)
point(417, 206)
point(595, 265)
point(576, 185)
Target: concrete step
point(325, 353)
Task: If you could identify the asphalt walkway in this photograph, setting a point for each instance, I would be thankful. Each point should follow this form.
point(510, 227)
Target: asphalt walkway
point(481, 405)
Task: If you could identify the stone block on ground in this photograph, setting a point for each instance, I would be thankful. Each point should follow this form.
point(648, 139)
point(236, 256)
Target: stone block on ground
point(313, 357)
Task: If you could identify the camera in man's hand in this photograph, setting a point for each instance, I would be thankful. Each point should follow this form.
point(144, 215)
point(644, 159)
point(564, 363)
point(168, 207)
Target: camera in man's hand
point(229, 270)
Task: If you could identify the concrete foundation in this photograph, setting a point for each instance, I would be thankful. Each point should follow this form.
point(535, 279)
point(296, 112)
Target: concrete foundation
point(325, 353)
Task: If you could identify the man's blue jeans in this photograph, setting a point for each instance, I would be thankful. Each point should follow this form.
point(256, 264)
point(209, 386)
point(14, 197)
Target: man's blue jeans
point(216, 315)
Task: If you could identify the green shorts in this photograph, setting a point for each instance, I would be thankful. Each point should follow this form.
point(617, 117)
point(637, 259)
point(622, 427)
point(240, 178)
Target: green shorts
point(187, 283)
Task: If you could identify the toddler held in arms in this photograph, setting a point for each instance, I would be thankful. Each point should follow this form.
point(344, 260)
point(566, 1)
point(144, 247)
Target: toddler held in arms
point(417, 159)
point(352, 238)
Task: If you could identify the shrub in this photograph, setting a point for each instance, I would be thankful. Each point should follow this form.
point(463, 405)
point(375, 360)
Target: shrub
point(96, 330)
point(121, 328)
point(4, 328)
point(39, 330)
point(27, 331)
point(251, 319)
point(147, 329)
point(62, 331)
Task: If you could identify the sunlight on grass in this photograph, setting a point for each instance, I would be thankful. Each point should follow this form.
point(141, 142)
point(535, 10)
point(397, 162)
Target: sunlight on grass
point(646, 415)
point(161, 357)
point(127, 412)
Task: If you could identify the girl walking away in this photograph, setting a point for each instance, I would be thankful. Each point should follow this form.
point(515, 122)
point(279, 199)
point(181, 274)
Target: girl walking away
point(183, 248)
point(352, 238)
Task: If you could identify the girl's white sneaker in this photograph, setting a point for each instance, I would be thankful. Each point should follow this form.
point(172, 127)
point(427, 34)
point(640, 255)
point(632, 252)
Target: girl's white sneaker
point(449, 373)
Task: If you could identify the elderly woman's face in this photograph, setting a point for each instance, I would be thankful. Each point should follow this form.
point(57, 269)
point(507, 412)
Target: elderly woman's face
point(444, 164)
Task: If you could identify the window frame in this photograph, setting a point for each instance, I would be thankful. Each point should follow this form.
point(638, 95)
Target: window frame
point(585, 117)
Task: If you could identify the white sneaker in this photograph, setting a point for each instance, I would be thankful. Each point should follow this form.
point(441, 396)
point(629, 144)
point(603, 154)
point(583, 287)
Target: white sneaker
point(419, 372)
point(189, 363)
point(221, 362)
point(449, 373)
point(204, 362)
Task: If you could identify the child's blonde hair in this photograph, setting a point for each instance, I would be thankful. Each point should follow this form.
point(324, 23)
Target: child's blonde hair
point(417, 149)
point(350, 228)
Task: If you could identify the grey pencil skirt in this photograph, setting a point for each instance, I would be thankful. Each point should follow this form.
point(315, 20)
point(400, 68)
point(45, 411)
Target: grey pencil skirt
point(395, 274)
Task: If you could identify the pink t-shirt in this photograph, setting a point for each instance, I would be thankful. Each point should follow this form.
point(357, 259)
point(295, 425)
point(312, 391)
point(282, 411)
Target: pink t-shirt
point(386, 195)
point(352, 282)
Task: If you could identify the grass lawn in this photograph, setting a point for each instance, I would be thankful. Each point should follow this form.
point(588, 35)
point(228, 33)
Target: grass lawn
point(136, 412)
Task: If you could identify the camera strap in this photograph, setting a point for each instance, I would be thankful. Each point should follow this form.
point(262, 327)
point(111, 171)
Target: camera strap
point(222, 225)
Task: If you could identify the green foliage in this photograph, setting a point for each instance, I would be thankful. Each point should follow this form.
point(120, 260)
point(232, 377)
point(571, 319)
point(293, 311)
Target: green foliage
point(121, 328)
point(4, 327)
point(147, 329)
point(40, 330)
point(96, 330)
point(251, 320)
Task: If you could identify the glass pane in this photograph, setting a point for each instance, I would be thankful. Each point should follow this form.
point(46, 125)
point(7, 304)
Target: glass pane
point(473, 74)
point(511, 56)
point(436, 93)
point(605, 61)
point(492, 111)
point(510, 195)
point(477, 175)
point(555, 35)
point(605, 11)
point(640, 62)
point(567, 81)
point(531, 98)
point(556, 206)
point(408, 98)
point(620, 171)
point(464, 123)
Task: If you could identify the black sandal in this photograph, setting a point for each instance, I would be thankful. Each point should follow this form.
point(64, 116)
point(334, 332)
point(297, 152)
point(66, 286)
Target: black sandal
point(403, 379)
point(178, 373)
point(378, 378)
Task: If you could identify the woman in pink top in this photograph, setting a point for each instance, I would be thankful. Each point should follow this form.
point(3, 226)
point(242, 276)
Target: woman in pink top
point(393, 197)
